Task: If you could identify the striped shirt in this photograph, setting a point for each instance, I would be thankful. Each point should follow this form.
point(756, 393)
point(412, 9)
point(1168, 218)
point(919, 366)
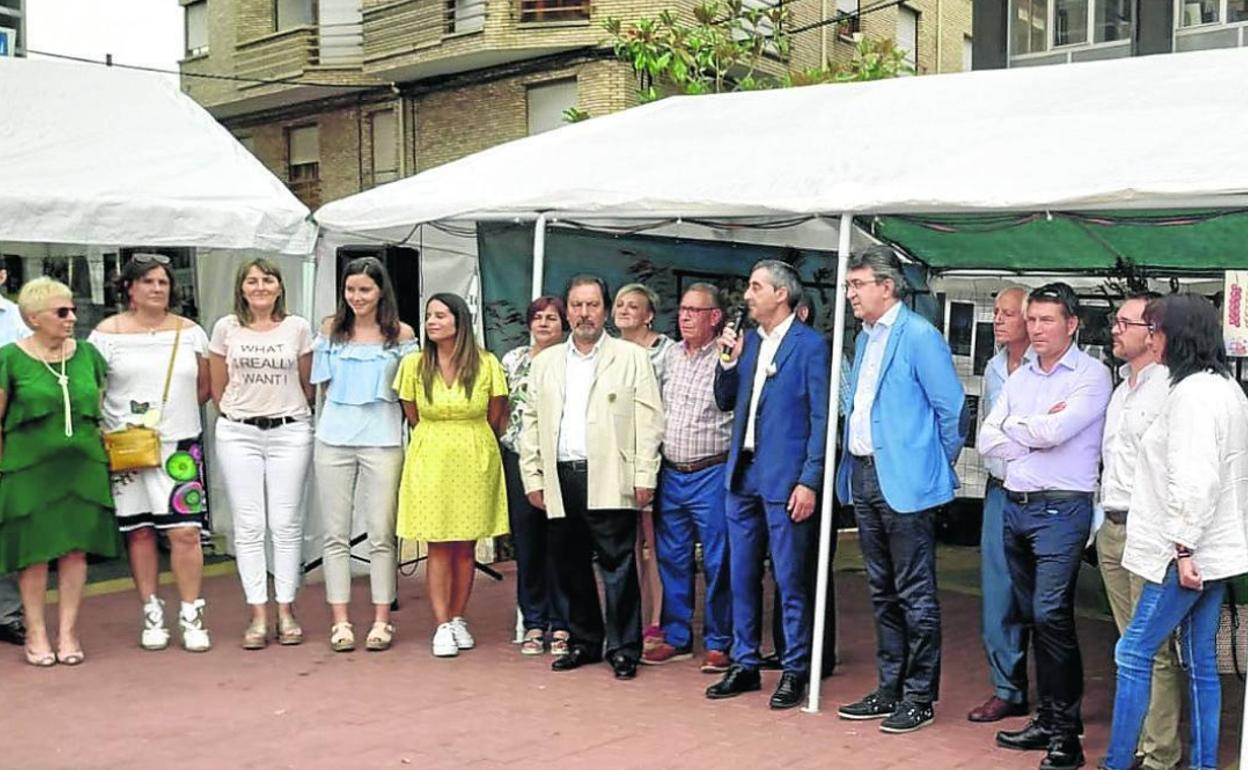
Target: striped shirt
point(695, 427)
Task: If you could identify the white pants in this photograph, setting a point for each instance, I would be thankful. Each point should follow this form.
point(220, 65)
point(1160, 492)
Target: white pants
point(363, 480)
point(264, 473)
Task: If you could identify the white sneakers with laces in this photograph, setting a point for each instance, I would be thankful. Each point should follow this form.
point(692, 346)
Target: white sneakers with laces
point(463, 639)
point(444, 644)
point(154, 635)
point(191, 621)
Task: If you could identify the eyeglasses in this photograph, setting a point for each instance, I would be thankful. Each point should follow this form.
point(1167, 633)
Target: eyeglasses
point(63, 312)
point(688, 310)
point(144, 259)
point(857, 284)
point(1122, 323)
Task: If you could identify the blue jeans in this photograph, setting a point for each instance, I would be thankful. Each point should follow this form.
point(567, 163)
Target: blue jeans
point(1005, 637)
point(691, 509)
point(1163, 608)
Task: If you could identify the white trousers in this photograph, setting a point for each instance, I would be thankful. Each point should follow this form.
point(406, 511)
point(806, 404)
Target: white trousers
point(363, 480)
point(264, 472)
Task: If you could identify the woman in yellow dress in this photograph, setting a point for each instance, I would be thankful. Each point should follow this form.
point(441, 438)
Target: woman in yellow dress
point(451, 495)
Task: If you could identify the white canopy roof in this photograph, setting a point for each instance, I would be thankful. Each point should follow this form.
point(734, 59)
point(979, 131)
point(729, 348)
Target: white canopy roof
point(1146, 132)
point(101, 155)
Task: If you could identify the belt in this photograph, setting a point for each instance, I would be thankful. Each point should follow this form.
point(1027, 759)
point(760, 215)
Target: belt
point(1047, 495)
point(1117, 517)
point(264, 423)
point(576, 466)
point(697, 465)
point(864, 459)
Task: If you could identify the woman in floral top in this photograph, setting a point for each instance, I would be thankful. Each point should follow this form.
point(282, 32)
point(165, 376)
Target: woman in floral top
point(542, 608)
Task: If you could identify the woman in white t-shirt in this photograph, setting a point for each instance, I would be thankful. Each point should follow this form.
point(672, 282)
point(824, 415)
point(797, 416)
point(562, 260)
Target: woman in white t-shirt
point(139, 346)
point(261, 361)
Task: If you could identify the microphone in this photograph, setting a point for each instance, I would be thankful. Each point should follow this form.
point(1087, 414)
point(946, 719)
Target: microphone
point(738, 320)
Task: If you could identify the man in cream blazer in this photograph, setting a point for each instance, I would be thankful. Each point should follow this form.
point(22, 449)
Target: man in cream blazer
point(589, 455)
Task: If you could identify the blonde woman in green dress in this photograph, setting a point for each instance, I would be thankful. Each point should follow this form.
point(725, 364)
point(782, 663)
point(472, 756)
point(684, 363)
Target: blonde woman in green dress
point(454, 394)
point(55, 500)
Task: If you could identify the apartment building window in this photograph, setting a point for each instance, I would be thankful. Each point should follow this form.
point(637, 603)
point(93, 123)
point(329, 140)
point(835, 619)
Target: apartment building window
point(1072, 23)
point(385, 140)
point(1193, 13)
point(547, 102)
point(1112, 21)
point(553, 10)
point(288, 14)
point(968, 53)
point(11, 16)
point(1030, 26)
point(907, 38)
point(851, 24)
point(196, 20)
point(303, 152)
point(464, 16)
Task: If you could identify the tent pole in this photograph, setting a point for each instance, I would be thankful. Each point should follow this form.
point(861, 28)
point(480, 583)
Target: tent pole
point(539, 254)
point(309, 284)
point(826, 524)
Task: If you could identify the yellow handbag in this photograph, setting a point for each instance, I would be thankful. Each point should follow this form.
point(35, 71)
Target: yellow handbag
point(137, 447)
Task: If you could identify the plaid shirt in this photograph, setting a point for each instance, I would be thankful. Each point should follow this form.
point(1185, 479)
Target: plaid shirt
point(695, 427)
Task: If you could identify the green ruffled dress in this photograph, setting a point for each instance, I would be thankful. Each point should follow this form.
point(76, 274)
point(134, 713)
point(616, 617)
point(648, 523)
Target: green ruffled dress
point(55, 495)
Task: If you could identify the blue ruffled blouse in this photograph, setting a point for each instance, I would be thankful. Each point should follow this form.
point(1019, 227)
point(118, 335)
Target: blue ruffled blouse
point(361, 408)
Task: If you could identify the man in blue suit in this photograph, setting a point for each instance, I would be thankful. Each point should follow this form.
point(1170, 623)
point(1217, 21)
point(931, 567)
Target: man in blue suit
point(902, 437)
point(776, 380)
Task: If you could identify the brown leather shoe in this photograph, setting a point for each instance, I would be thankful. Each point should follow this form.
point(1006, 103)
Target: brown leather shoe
point(994, 710)
point(716, 662)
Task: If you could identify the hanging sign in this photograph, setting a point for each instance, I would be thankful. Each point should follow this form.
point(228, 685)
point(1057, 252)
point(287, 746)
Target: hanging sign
point(1235, 313)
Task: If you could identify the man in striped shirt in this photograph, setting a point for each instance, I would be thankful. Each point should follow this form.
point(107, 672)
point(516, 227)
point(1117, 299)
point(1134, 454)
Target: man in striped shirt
point(690, 500)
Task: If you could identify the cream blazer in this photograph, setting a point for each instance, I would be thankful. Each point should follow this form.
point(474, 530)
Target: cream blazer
point(624, 426)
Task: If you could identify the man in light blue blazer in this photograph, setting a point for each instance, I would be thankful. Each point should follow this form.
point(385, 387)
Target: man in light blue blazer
point(776, 380)
point(902, 437)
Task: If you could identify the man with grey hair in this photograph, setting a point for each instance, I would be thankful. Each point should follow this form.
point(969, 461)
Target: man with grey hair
point(12, 629)
point(901, 439)
point(776, 380)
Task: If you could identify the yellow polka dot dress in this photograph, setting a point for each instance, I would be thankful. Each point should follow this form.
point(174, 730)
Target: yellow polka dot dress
point(452, 486)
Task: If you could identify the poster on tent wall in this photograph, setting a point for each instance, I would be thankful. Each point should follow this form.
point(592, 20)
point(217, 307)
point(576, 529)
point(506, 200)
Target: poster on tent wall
point(1235, 314)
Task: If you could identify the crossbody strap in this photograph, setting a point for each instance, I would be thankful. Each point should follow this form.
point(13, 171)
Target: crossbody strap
point(177, 342)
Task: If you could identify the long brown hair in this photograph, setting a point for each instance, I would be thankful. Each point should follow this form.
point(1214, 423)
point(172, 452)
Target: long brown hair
point(466, 356)
point(343, 325)
point(242, 310)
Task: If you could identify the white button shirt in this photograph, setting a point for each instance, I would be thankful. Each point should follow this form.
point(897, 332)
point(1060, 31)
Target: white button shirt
point(578, 381)
point(1131, 410)
point(766, 355)
point(860, 441)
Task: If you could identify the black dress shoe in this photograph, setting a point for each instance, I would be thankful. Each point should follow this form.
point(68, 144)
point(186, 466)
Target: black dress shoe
point(624, 667)
point(13, 633)
point(1065, 753)
point(789, 692)
point(739, 679)
point(770, 663)
point(576, 657)
point(1033, 737)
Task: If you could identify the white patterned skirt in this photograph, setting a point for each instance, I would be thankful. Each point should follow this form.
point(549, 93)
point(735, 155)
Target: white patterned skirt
point(174, 494)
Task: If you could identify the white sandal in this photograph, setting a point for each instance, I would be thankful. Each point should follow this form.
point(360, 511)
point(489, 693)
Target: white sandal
point(341, 637)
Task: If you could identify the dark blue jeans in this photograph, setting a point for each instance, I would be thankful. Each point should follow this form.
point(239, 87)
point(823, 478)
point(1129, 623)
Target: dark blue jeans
point(899, 552)
point(1163, 608)
point(541, 603)
point(1044, 542)
point(1005, 637)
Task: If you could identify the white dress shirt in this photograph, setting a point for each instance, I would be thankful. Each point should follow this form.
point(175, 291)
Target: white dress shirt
point(12, 327)
point(766, 355)
point(860, 441)
point(1191, 484)
point(1131, 410)
point(578, 381)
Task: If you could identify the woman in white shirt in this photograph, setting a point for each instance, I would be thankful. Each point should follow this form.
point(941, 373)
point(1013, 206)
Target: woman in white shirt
point(139, 346)
point(261, 361)
point(1188, 528)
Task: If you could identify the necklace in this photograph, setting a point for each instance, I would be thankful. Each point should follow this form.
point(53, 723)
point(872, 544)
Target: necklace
point(62, 379)
point(150, 329)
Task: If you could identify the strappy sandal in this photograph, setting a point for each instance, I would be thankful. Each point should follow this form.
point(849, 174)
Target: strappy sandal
point(380, 637)
point(341, 637)
point(559, 643)
point(289, 632)
point(40, 659)
point(256, 637)
point(534, 642)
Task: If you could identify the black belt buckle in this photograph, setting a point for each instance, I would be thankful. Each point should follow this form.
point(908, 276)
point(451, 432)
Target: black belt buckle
point(576, 466)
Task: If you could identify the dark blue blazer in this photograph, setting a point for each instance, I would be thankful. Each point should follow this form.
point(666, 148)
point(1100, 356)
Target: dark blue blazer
point(792, 421)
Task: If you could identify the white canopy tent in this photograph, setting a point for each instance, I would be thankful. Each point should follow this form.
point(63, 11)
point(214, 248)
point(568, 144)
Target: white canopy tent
point(1146, 133)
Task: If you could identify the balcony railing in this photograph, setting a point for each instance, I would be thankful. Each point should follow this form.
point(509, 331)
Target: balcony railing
point(538, 11)
point(409, 25)
point(282, 54)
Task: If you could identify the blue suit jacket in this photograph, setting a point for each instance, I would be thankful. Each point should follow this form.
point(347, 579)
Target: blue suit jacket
point(792, 421)
point(916, 418)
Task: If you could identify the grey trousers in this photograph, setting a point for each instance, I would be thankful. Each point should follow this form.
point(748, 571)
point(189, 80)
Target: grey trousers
point(10, 600)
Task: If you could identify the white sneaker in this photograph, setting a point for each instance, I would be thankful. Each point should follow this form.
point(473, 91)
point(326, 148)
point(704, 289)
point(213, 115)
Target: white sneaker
point(444, 645)
point(191, 621)
point(154, 635)
point(463, 639)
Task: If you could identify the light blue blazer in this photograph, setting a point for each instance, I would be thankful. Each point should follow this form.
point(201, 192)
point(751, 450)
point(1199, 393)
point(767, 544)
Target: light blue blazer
point(916, 418)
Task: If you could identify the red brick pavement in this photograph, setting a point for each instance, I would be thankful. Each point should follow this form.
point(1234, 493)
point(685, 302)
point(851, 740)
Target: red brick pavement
point(306, 707)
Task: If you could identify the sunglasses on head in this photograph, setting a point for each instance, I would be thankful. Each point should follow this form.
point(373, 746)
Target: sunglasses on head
point(144, 259)
point(63, 312)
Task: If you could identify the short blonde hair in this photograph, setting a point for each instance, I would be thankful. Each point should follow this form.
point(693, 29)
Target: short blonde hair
point(652, 297)
point(35, 295)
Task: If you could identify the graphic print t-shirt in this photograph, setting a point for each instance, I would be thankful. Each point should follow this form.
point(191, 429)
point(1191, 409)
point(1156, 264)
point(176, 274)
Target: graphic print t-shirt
point(263, 367)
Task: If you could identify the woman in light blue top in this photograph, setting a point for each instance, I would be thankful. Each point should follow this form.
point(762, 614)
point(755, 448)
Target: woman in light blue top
point(359, 453)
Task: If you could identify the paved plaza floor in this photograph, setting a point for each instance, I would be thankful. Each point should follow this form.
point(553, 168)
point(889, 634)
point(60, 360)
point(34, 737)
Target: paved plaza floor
point(307, 707)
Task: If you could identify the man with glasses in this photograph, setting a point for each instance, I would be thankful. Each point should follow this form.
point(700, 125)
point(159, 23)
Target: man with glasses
point(902, 437)
point(1136, 403)
point(1047, 426)
point(12, 629)
point(691, 490)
